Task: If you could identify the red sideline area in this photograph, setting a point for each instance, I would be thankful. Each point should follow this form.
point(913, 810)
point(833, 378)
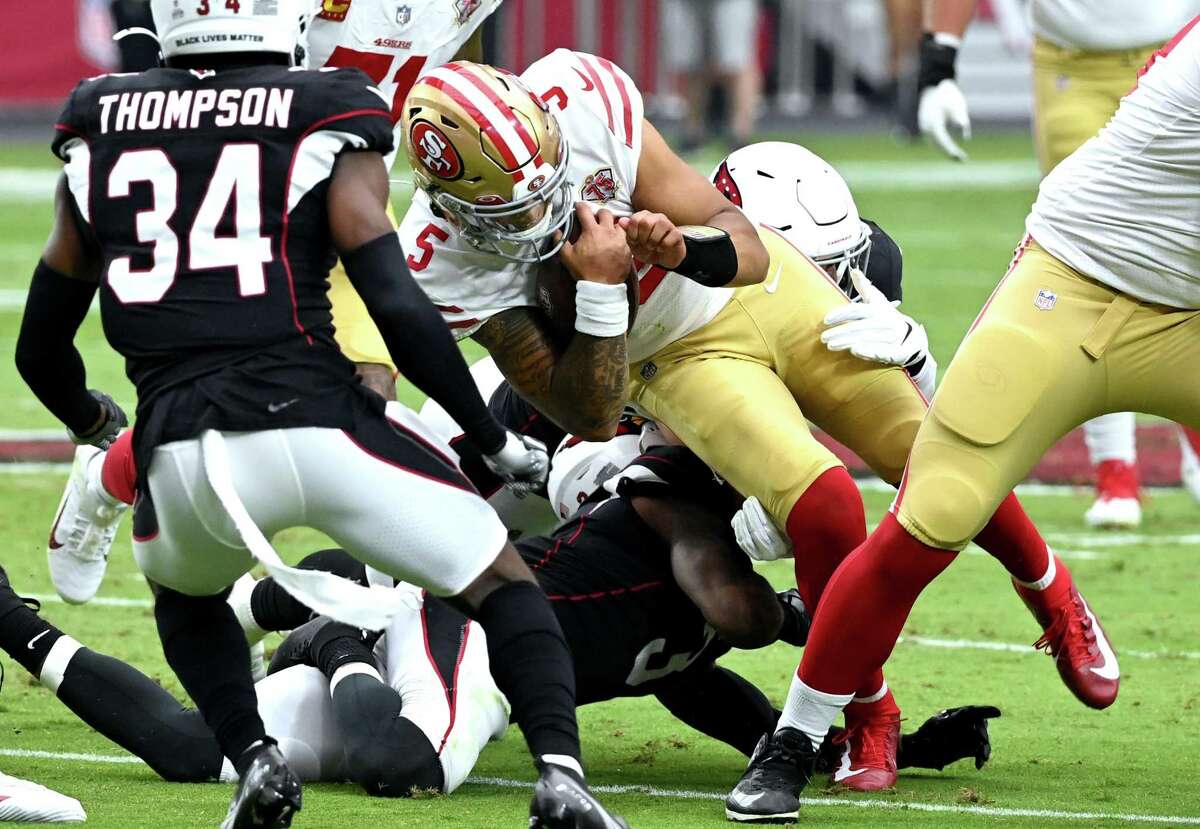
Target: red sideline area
point(1066, 463)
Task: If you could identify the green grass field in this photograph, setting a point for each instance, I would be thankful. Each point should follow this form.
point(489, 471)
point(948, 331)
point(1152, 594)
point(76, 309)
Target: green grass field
point(1055, 763)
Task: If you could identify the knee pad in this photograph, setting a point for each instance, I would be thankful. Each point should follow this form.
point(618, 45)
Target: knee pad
point(947, 499)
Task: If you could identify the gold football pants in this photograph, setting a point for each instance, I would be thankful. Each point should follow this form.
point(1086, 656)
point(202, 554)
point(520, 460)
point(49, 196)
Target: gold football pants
point(740, 390)
point(1075, 93)
point(1050, 350)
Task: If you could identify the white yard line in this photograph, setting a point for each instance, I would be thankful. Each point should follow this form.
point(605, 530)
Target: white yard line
point(687, 794)
point(100, 601)
point(1008, 647)
point(1121, 539)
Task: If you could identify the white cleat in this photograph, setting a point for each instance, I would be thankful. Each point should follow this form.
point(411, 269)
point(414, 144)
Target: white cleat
point(24, 802)
point(1114, 513)
point(83, 531)
point(1189, 467)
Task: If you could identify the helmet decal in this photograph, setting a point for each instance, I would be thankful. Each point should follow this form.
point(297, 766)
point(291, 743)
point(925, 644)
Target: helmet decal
point(725, 183)
point(435, 151)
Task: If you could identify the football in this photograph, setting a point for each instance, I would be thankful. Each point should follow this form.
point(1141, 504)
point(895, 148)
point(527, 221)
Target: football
point(556, 297)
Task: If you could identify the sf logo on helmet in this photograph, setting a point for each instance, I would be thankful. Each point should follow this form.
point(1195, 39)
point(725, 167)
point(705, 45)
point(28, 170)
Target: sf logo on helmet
point(435, 151)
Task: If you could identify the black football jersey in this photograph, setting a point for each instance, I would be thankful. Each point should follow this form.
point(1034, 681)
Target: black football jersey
point(608, 577)
point(206, 193)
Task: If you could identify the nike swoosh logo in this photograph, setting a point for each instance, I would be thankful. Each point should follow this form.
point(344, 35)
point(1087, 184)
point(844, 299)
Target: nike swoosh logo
point(34, 639)
point(588, 86)
point(272, 408)
point(1111, 670)
point(746, 800)
point(52, 544)
point(773, 285)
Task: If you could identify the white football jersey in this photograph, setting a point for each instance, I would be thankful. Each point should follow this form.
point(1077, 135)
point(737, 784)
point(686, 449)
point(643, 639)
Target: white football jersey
point(1109, 25)
point(393, 41)
point(600, 112)
point(1123, 208)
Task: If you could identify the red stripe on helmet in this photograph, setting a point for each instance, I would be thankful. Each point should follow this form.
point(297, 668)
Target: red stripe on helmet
point(481, 121)
point(505, 109)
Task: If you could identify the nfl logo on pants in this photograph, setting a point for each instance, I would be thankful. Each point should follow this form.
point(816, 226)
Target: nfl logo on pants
point(1045, 300)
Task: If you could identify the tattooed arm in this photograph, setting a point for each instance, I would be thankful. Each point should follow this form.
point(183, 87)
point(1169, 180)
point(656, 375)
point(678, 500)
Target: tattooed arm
point(581, 388)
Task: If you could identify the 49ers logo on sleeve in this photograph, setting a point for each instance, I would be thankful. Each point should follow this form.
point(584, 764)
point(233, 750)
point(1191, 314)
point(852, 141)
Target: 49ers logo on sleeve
point(600, 186)
point(435, 150)
point(334, 9)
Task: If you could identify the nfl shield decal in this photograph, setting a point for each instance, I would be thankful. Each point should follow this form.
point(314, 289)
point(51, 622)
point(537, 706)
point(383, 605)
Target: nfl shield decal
point(600, 186)
point(1045, 300)
point(403, 15)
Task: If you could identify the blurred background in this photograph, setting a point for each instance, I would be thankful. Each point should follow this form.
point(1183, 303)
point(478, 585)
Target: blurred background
point(717, 70)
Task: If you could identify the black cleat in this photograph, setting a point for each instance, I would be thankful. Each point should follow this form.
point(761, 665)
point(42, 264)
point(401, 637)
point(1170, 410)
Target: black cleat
point(562, 801)
point(268, 795)
point(769, 791)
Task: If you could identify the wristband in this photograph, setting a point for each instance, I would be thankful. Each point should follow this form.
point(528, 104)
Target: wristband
point(711, 257)
point(601, 310)
point(938, 55)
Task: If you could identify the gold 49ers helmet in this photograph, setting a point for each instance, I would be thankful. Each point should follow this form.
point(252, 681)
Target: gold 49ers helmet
point(491, 157)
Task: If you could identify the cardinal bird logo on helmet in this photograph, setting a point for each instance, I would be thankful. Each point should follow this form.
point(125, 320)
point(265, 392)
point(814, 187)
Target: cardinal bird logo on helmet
point(724, 182)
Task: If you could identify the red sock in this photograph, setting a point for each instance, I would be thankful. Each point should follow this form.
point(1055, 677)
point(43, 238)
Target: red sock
point(1192, 436)
point(118, 474)
point(825, 525)
point(1012, 540)
point(865, 606)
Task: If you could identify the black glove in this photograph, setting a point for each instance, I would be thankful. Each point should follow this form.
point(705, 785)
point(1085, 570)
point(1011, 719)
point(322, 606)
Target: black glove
point(952, 735)
point(106, 429)
point(796, 620)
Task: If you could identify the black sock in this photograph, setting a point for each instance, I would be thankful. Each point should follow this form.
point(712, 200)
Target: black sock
point(386, 754)
point(532, 666)
point(274, 608)
point(26, 636)
point(338, 644)
point(204, 645)
point(135, 712)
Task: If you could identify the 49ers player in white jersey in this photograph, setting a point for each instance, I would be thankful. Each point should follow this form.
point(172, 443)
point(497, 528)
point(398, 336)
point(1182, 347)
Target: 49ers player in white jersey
point(1085, 56)
point(1099, 312)
point(736, 373)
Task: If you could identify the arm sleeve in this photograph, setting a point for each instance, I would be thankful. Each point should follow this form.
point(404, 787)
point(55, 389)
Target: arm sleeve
point(46, 355)
point(418, 341)
point(722, 705)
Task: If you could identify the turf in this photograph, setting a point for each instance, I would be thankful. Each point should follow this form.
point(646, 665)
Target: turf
point(1050, 753)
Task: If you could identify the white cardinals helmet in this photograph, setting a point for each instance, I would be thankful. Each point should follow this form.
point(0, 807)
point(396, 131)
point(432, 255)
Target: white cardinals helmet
point(798, 193)
point(205, 27)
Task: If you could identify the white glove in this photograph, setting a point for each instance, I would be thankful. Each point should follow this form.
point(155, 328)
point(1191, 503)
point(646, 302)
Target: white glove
point(941, 107)
point(873, 330)
point(522, 463)
point(757, 534)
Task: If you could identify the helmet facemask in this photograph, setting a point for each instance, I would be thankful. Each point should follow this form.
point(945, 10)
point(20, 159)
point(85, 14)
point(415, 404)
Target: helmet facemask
point(838, 265)
point(522, 230)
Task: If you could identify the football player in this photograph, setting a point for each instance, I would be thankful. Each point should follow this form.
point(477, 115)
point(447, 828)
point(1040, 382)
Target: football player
point(672, 596)
point(392, 45)
point(204, 201)
point(1099, 312)
point(736, 372)
point(1085, 57)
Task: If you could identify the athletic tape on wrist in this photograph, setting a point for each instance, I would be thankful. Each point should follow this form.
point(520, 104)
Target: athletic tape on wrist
point(601, 310)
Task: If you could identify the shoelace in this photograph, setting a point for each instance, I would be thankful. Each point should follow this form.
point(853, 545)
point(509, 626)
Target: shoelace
point(1080, 649)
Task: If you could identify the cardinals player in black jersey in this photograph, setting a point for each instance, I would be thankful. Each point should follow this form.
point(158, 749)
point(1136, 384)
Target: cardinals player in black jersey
point(205, 200)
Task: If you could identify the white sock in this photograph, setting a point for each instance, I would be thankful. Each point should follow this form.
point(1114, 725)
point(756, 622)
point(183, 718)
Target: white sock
point(811, 711)
point(1046, 580)
point(54, 668)
point(875, 697)
point(95, 482)
point(351, 669)
point(239, 600)
point(564, 760)
point(1111, 437)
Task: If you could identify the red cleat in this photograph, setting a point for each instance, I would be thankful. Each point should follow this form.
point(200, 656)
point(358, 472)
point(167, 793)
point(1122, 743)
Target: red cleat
point(1118, 497)
point(1072, 635)
point(870, 741)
